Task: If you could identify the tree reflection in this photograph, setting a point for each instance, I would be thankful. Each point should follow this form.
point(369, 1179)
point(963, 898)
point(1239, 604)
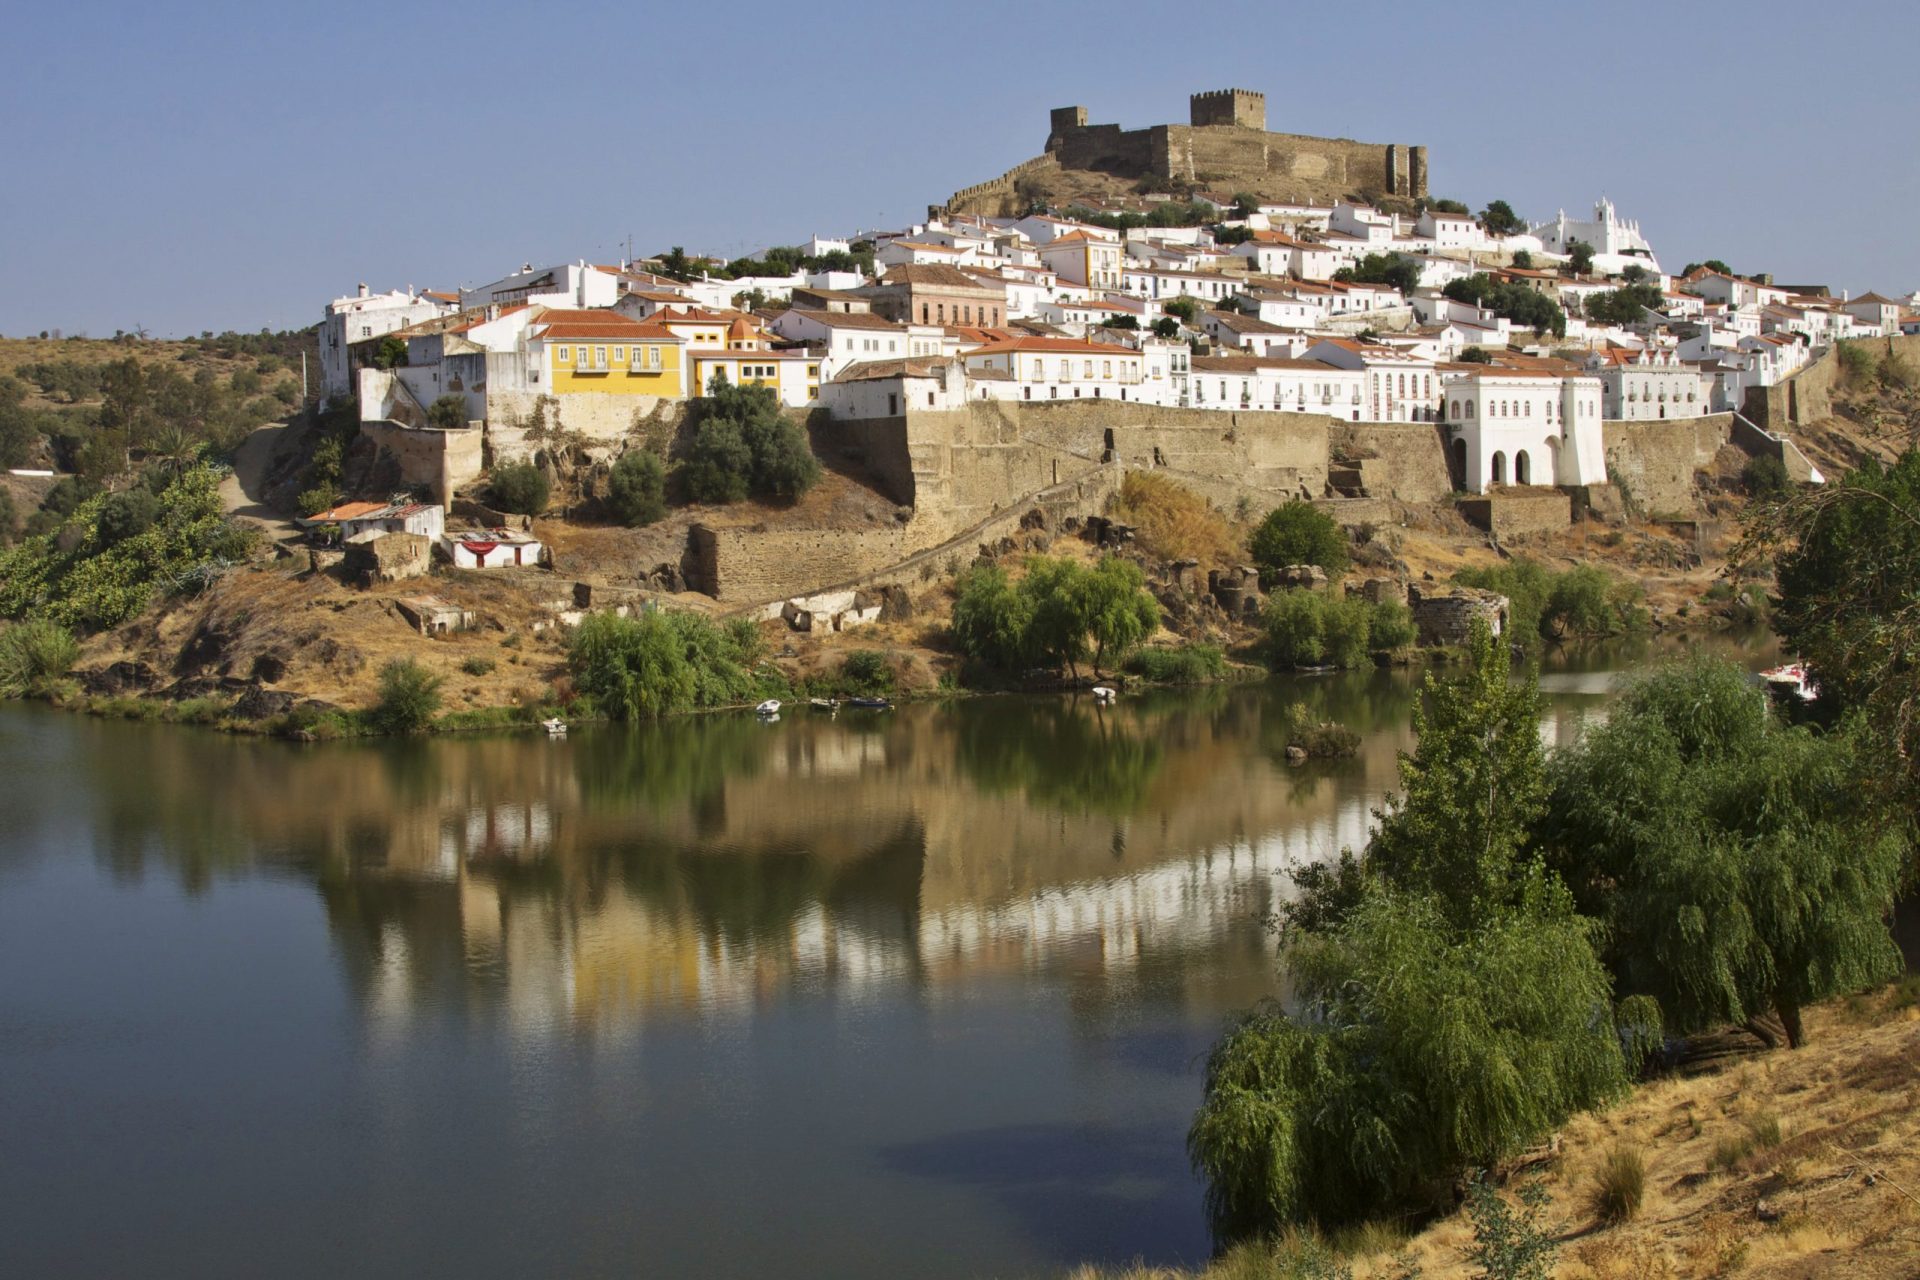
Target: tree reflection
point(1064, 754)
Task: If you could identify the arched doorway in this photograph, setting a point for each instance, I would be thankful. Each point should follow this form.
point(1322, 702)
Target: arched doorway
point(1460, 463)
point(1553, 460)
point(1522, 468)
point(1499, 467)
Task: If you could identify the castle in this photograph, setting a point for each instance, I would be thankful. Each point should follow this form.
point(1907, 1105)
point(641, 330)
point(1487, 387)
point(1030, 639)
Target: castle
point(1225, 145)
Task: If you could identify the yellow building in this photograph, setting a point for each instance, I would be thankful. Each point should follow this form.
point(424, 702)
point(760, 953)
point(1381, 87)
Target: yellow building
point(795, 375)
point(605, 351)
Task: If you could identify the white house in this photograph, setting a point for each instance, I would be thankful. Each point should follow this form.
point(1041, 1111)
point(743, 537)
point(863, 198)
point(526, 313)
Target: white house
point(848, 339)
point(1084, 259)
point(1277, 384)
point(888, 388)
point(1650, 384)
point(1734, 291)
point(1399, 386)
point(1870, 310)
point(492, 548)
point(1163, 283)
point(1519, 426)
point(573, 285)
point(1276, 254)
point(365, 521)
point(1450, 230)
point(362, 316)
point(1058, 369)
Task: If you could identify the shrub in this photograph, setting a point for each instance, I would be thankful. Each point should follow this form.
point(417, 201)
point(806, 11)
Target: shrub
point(1314, 628)
point(1510, 1244)
point(1619, 1185)
point(1178, 664)
point(866, 671)
point(743, 444)
point(478, 665)
point(1171, 522)
point(1765, 477)
point(409, 695)
point(1858, 362)
point(1392, 626)
point(34, 657)
point(1056, 615)
point(126, 515)
point(1298, 533)
point(1582, 601)
point(990, 618)
point(1764, 1127)
point(638, 488)
point(448, 413)
point(520, 487)
point(660, 662)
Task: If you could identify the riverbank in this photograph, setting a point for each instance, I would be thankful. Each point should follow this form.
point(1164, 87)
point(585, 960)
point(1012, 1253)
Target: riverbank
point(1764, 1164)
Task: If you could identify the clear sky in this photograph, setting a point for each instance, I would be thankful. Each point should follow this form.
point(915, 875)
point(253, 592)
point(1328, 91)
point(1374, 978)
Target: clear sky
point(213, 166)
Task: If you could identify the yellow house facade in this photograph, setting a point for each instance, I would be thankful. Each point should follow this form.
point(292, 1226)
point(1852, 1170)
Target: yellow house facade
point(605, 352)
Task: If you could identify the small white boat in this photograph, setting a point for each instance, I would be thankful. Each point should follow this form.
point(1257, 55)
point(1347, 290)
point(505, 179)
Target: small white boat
point(556, 727)
point(1792, 679)
point(1104, 694)
point(771, 707)
point(823, 704)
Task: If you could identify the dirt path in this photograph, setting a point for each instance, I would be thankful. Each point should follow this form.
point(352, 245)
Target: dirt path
point(243, 492)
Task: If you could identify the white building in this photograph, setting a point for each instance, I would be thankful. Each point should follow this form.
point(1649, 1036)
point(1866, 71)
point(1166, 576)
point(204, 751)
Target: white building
point(1057, 369)
point(573, 285)
point(363, 316)
point(888, 388)
point(365, 521)
point(1872, 312)
point(1651, 384)
point(1617, 243)
point(1399, 385)
point(1279, 385)
point(849, 339)
point(1521, 427)
point(1450, 230)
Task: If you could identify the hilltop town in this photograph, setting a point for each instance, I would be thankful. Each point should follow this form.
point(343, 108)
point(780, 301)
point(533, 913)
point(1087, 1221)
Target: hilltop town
point(1250, 317)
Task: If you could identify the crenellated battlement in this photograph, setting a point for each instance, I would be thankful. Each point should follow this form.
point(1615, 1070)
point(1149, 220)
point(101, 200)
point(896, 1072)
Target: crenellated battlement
point(1242, 107)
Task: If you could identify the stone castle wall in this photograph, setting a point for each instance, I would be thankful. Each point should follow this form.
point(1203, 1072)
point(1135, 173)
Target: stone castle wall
point(1654, 462)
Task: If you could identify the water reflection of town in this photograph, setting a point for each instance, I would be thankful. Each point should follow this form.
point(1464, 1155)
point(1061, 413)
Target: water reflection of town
point(707, 867)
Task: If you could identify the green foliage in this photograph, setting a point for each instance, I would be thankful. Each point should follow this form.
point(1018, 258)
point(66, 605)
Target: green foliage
point(478, 665)
point(126, 515)
point(1297, 532)
point(1859, 363)
point(1318, 628)
point(867, 671)
point(638, 488)
point(1476, 355)
point(1057, 615)
point(1178, 664)
point(35, 657)
point(1168, 213)
point(448, 413)
point(1420, 1051)
point(1499, 219)
point(409, 695)
point(743, 445)
point(77, 576)
point(990, 618)
point(1580, 255)
point(1383, 268)
point(660, 662)
point(1471, 790)
point(389, 353)
point(1523, 260)
point(1127, 323)
point(520, 487)
point(8, 517)
point(1848, 566)
point(1517, 302)
point(1628, 304)
point(1737, 865)
point(1582, 601)
point(1166, 327)
point(1185, 310)
point(1765, 476)
point(1391, 626)
point(1711, 264)
point(1510, 1243)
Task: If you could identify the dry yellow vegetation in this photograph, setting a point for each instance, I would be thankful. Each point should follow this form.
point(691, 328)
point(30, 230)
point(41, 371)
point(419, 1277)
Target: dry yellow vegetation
point(1768, 1165)
point(1172, 522)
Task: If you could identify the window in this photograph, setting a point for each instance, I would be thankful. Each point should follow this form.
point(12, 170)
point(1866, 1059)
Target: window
point(561, 355)
point(599, 357)
point(366, 331)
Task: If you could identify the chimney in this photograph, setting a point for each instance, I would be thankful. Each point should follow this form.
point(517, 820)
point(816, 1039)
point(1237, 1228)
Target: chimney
point(363, 288)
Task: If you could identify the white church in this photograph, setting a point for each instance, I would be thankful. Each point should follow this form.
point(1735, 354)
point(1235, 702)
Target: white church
point(1617, 243)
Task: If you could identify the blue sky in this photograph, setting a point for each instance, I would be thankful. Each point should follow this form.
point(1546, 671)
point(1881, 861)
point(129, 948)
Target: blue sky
point(220, 166)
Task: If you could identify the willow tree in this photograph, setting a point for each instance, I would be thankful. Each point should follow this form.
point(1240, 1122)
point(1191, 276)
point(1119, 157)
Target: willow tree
point(1738, 867)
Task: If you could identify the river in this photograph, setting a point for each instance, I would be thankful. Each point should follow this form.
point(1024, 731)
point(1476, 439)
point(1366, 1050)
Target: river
point(922, 993)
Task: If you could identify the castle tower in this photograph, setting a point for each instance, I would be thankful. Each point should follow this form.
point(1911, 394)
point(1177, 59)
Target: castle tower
point(1061, 121)
point(1228, 106)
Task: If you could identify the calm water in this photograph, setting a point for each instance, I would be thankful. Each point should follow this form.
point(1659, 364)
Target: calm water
point(914, 994)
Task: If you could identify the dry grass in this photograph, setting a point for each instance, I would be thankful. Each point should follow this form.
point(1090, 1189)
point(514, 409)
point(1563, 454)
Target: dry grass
point(1619, 1185)
point(1829, 1191)
point(1174, 523)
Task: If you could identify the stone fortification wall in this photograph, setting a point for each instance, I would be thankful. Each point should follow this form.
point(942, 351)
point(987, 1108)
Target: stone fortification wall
point(1406, 461)
point(966, 461)
point(748, 565)
point(602, 421)
point(756, 566)
point(440, 461)
point(878, 446)
point(1514, 515)
point(1655, 462)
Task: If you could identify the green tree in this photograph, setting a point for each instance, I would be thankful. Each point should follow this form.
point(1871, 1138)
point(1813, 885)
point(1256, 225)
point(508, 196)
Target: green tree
point(637, 488)
point(389, 353)
point(1186, 310)
point(1517, 302)
point(1580, 257)
point(662, 661)
point(1523, 259)
point(1711, 264)
point(124, 515)
point(1297, 532)
point(1628, 304)
point(1057, 623)
point(520, 487)
point(990, 618)
point(35, 656)
point(1736, 866)
point(743, 444)
point(1471, 789)
point(1118, 612)
point(1499, 219)
point(1476, 355)
point(1166, 327)
point(1383, 268)
point(448, 413)
point(408, 697)
point(719, 464)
